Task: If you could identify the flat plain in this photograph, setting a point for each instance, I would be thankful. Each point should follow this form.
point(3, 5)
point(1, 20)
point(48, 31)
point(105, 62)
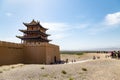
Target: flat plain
point(98, 69)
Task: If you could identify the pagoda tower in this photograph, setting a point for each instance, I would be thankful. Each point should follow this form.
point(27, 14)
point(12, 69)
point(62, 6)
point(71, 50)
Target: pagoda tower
point(35, 33)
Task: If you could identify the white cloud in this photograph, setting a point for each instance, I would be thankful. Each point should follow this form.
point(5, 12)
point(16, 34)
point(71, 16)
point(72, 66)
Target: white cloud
point(56, 26)
point(57, 30)
point(8, 14)
point(113, 19)
point(59, 36)
point(82, 26)
point(60, 30)
point(20, 1)
point(110, 22)
point(97, 29)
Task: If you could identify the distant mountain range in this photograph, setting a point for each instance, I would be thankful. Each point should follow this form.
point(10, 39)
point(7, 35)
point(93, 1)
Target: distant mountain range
point(98, 49)
point(105, 49)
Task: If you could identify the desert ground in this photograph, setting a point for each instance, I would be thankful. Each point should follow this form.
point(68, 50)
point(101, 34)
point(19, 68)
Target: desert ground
point(85, 68)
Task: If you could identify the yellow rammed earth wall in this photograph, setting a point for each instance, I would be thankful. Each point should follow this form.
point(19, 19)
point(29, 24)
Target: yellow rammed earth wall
point(52, 52)
point(11, 53)
point(34, 53)
point(43, 53)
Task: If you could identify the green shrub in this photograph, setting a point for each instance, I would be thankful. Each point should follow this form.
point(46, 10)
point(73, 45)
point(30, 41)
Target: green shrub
point(64, 72)
point(71, 79)
point(45, 75)
point(72, 52)
point(80, 73)
point(80, 53)
point(42, 68)
point(55, 77)
point(12, 67)
point(84, 69)
point(1, 71)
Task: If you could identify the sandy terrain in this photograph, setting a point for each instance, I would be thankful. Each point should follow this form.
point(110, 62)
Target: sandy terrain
point(98, 69)
point(81, 57)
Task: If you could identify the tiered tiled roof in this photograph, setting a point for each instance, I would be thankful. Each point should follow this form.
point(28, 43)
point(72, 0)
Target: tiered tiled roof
point(34, 35)
point(34, 23)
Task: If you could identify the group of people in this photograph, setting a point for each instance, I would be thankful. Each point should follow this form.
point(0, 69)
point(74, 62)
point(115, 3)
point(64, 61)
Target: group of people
point(115, 54)
point(67, 61)
point(94, 57)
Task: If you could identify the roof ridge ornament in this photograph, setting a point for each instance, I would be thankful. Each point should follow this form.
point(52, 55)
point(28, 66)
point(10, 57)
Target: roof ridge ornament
point(33, 22)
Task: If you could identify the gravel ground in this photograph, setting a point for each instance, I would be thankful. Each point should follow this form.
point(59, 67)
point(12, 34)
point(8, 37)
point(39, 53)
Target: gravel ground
point(98, 69)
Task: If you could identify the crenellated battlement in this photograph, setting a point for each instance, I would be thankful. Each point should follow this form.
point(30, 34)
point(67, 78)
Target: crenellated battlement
point(38, 44)
point(18, 45)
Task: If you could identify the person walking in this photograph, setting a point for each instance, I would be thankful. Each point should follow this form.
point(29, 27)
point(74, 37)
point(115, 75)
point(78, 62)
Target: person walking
point(118, 54)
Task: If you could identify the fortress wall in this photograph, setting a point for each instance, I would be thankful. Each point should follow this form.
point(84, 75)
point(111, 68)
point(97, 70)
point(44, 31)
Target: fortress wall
point(41, 53)
point(35, 53)
point(10, 53)
point(13, 53)
point(52, 53)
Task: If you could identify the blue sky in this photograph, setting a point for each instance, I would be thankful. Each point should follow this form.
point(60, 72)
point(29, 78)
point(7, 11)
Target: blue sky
point(73, 24)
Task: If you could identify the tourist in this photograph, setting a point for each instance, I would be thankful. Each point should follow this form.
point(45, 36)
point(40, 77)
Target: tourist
point(98, 57)
point(66, 60)
point(94, 57)
point(113, 54)
point(74, 60)
point(118, 54)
